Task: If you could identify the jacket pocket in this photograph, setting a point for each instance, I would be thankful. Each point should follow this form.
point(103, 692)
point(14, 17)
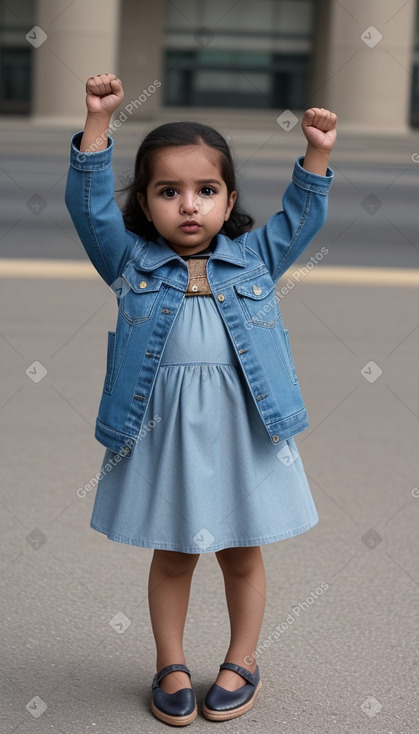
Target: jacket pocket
point(281, 341)
point(140, 297)
point(259, 302)
point(110, 363)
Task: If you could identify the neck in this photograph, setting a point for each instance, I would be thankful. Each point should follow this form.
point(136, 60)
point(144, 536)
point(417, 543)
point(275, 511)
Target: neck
point(202, 253)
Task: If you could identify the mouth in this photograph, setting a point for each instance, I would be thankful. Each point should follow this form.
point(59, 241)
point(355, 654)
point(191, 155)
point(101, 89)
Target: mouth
point(190, 226)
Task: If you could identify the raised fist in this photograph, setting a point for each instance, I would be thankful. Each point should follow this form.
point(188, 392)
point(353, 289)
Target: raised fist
point(319, 127)
point(104, 93)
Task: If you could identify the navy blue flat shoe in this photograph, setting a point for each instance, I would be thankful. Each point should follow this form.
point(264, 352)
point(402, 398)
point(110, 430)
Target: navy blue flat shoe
point(177, 709)
point(221, 704)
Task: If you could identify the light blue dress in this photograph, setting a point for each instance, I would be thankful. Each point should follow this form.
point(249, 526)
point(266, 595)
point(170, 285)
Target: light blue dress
point(204, 474)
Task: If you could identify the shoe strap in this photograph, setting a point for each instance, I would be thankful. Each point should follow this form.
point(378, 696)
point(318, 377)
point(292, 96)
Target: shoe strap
point(169, 669)
point(251, 677)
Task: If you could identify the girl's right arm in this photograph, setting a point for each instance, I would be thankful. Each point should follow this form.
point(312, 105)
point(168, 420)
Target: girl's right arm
point(90, 186)
point(104, 94)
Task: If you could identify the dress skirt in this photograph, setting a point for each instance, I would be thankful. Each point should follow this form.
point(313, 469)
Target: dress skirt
point(204, 474)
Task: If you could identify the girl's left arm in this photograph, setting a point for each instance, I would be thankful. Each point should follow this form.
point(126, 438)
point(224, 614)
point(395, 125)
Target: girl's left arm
point(304, 205)
point(319, 127)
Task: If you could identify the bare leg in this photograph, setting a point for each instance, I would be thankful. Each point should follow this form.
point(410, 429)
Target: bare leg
point(169, 586)
point(245, 587)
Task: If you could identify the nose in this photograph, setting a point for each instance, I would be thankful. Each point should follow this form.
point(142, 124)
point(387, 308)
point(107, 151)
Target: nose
point(188, 202)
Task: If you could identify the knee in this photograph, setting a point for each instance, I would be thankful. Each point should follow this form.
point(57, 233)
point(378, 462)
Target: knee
point(239, 561)
point(172, 563)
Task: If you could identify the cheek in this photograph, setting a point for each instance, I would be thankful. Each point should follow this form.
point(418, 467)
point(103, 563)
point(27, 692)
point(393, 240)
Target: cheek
point(219, 206)
point(159, 208)
point(205, 205)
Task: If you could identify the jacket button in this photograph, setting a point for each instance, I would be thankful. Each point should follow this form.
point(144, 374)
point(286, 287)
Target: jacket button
point(275, 439)
point(127, 450)
point(221, 297)
point(143, 284)
point(257, 290)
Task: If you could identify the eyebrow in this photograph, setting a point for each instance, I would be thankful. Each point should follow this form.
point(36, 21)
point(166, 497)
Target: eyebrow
point(176, 183)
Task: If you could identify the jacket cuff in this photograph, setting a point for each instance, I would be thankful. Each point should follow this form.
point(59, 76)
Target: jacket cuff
point(90, 161)
point(311, 181)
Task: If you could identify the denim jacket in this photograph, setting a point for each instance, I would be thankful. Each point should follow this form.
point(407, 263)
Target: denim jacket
point(149, 280)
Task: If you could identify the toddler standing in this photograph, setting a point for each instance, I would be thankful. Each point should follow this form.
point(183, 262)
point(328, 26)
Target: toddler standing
point(201, 398)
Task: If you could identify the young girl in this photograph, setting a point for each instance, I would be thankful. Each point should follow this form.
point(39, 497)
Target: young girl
point(201, 398)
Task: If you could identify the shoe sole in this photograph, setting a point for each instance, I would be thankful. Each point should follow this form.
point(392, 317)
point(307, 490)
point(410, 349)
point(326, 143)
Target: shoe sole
point(232, 713)
point(174, 720)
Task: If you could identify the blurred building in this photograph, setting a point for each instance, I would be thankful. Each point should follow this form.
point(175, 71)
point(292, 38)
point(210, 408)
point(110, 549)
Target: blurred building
point(358, 58)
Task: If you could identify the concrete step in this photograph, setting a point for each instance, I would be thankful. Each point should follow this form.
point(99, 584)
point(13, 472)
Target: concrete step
point(253, 135)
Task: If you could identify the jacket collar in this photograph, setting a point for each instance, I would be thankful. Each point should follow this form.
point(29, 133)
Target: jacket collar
point(154, 254)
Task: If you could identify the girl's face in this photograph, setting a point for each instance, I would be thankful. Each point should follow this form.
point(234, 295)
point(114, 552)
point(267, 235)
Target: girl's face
point(187, 199)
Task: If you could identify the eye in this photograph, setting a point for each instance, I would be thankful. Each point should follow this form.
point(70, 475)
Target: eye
point(168, 193)
point(208, 190)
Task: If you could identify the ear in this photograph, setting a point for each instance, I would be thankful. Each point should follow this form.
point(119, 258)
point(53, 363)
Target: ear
point(143, 204)
point(231, 201)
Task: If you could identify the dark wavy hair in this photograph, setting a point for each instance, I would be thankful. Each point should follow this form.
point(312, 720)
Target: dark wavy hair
point(172, 134)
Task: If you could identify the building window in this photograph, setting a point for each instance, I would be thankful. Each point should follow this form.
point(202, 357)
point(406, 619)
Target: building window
point(255, 55)
point(414, 103)
point(15, 56)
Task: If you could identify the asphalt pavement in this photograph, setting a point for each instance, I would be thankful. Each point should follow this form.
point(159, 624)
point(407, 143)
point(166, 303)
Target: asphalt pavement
point(338, 649)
